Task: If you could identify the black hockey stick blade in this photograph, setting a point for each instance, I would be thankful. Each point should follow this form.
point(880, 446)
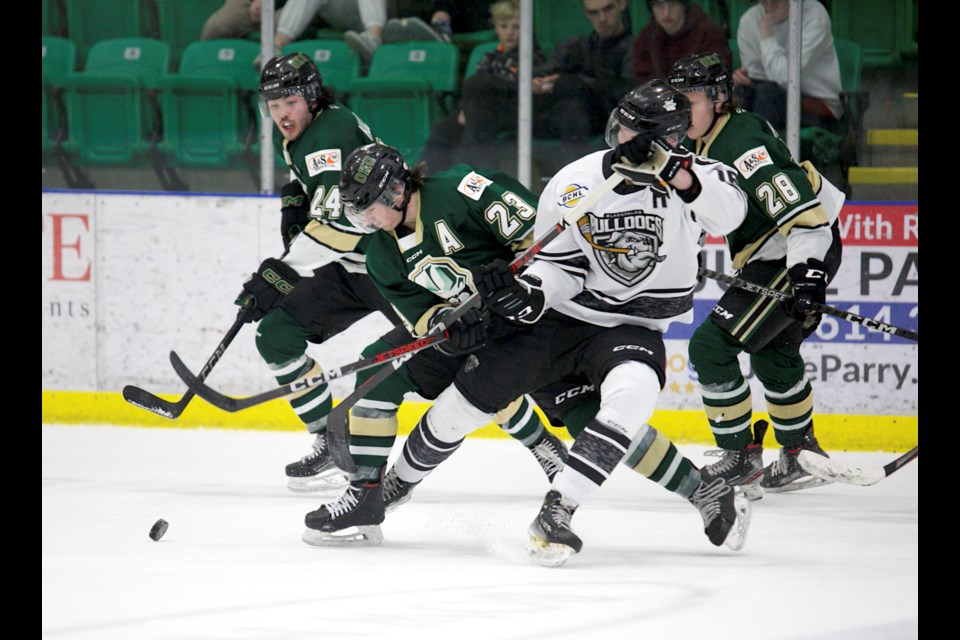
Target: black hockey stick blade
point(145, 400)
point(835, 471)
point(870, 323)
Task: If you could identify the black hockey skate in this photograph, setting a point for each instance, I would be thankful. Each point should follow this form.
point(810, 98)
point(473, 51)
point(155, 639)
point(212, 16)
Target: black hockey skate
point(726, 514)
point(395, 491)
point(354, 518)
point(316, 472)
point(551, 453)
point(551, 539)
point(741, 468)
point(785, 473)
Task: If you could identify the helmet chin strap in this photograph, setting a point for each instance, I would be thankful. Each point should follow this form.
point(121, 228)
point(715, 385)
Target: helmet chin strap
point(713, 122)
point(402, 207)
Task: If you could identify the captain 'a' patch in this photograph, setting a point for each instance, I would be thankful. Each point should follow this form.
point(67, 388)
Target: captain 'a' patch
point(627, 244)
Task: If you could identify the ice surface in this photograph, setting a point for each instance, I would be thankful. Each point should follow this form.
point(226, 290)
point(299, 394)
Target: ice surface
point(834, 562)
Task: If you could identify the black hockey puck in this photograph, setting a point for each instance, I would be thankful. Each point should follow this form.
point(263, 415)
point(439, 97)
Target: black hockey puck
point(158, 529)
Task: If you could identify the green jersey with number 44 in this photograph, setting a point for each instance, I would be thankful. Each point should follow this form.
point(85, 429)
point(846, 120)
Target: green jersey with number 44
point(465, 219)
point(316, 158)
point(790, 206)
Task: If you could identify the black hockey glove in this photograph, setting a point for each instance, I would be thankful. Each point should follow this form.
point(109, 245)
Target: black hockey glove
point(636, 150)
point(809, 287)
point(266, 288)
point(663, 164)
point(518, 299)
point(468, 333)
point(294, 211)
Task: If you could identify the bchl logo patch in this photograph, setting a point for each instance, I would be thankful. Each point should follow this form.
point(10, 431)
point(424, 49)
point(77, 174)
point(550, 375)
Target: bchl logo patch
point(749, 162)
point(473, 185)
point(323, 160)
point(571, 195)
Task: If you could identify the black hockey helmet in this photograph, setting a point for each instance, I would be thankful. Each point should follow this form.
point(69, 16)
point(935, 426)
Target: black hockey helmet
point(653, 106)
point(371, 173)
point(705, 72)
point(292, 74)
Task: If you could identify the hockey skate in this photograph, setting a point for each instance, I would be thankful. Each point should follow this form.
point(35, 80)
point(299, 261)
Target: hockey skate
point(726, 513)
point(353, 519)
point(316, 472)
point(785, 473)
point(551, 453)
point(551, 539)
point(743, 468)
point(395, 491)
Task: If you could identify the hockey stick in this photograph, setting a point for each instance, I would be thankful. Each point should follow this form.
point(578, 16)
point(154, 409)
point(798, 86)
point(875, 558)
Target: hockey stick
point(227, 403)
point(821, 308)
point(145, 400)
point(831, 470)
point(403, 352)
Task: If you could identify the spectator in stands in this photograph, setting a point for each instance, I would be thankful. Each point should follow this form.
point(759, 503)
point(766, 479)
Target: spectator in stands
point(455, 16)
point(437, 20)
point(677, 28)
point(361, 21)
point(488, 104)
point(235, 19)
point(761, 81)
point(589, 74)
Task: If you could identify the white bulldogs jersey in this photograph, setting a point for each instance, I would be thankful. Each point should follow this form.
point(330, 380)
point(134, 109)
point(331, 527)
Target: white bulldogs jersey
point(633, 259)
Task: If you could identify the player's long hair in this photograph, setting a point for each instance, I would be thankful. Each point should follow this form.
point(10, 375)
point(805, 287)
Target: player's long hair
point(415, 179)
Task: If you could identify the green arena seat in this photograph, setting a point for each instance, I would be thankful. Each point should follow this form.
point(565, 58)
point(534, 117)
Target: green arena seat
point(210, 116)
point(113, 117)
point(58, 57)
point(90, 21)
point(180, 23)
point(476, 55)
point(338, 64)
point(884, 32)
point(409, 86)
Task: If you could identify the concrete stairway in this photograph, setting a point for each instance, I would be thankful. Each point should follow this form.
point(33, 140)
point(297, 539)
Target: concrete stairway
point(888, 155)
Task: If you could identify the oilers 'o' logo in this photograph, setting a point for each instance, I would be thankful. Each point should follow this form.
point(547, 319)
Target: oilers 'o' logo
point(441, 276)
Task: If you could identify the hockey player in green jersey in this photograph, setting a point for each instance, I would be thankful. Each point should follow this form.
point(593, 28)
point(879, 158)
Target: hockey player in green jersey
point(319, 287)
point(425, 236)
point(789, 241)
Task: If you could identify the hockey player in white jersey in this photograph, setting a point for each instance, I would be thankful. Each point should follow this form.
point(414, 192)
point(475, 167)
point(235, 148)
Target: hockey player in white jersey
point(596, 302)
